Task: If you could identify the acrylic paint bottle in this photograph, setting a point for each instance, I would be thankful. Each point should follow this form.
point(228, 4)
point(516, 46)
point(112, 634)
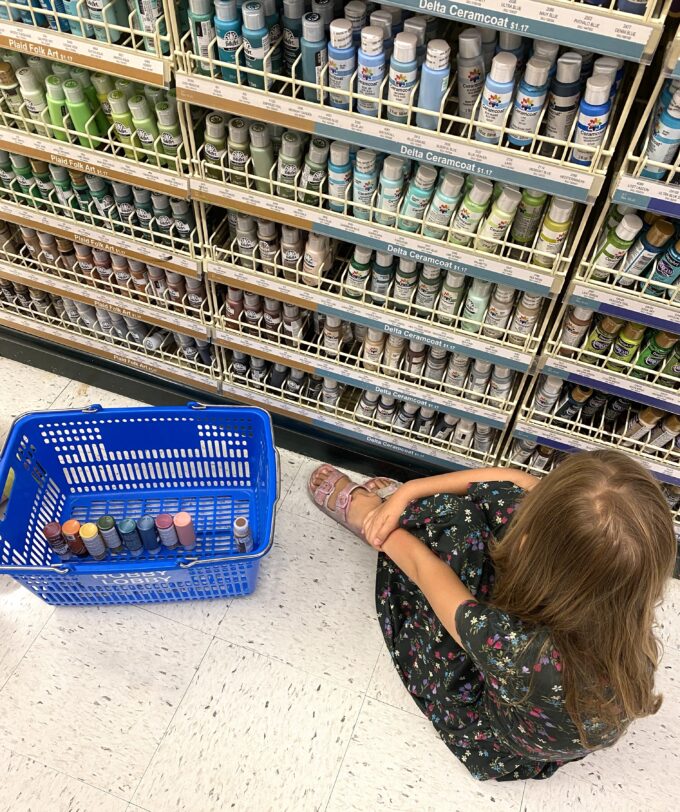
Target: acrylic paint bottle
point(70, 531)
point(382, 274)
point(443, 204)
point(123, 126)
point(644, 251)
point(429, 285)
point(444, 427)
point(593, 117)
point(665, 434)
point(573, 402)
point(435, 365)
point(34, 97)
point(513, 44)
point(288, 165)
point(316, 261)
point(453, 289)
point(615, 245)
point(654, 352)
point(402, 76)
point(496, 97)
point(667, 271)
point(169, 131)
point(563, 99)
point(146, 129)
point(434, 82)
point(625, 346)
point(553, 232)
point(371, 70)
point(470, 212)
point(314, 50)
point(390, 188)
point(358, 272)
point(355, 11)
point(261, 155)
point(417, 199)
point(267, 244)
point(602, 337)
point(114, 12)
point(383, 20)
point(274, 62)
point(314, 172)
point(529, 101)
point(499, 311)
point(202, 30)
point(372, 349)
point(405, 283)
point(404, 417)
point(463, 433)
point(341, 63)
point(339, 176)
point(228, 31)
point(528, 217)
point(576, 325)
point(500, 383)
point(292, 248)
point(548, 51)
point(364, 183)
point(256, 43)
point(418, 27)
point(476, 303)
point(498, 221)
point(292, 31)
point(525, 317)
point(663, 144)
point(470, 71)
point(9, 89)
point(238, 151)
point(489, 39)
point(56, 105)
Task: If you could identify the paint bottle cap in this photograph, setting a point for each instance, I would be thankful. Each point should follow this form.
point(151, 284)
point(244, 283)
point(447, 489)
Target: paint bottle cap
point(139, 107)
point(55, 89)
point(469, 43)
point(438, 54)
point(365, 160)
point(582, 313)
point(226, 10)
point(383, 20)
point(362, 255)
point(142, 196)
point(548, 50)
point(7, 76)
point(371, 40)
point(28, 81)
point(88, 531)
point(597, 90)
point(660, 232)
point(259, 135)
point(536, 72)
point(291, 145)
point(340, 33)
point(95, 183)
point(509, 199)
point(118, 102)
point(560, 210)
point(266, 229)
point(318, 151)
point(480, 192)
point(19, 161)
point(102, 82)
point(569, 67)
point(552, 384)
point(241, 526)
point(425, 177)
point(488, 35)
point(200, 6)
point(629, 227)
point(383, 259)
point(166, 114)
point(179, 207)
point(451, 184)
point(507, 41)
point(293, 9)
point(238, 131)
point(120, 189)
point(406, 266)
point(339, 153)
point(289, 234)
point(606, 66)
point(374, 334)
point(215, 126)
point(71, 527)
point(393, 168)
point(581, 393)
point(159, 201)
point(312, 27)
point(405, 46)
point(317, 242)
point(74, 91)
point(503, 66)
point(418, 27)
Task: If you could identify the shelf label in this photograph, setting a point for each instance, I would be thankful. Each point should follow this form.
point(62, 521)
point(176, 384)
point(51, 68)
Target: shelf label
point(138, 66)
point(649, 195)
point(598, 378)
point(566, 441)
point(632, 307)
point(90, 161)
point(593, 28)
point(449, 152)
point(400, 244)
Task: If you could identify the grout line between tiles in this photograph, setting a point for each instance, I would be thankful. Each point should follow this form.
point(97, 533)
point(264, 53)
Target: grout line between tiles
point(23, 656)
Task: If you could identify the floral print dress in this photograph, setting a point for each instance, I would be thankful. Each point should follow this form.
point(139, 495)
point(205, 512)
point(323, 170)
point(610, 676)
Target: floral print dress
point(498, 701)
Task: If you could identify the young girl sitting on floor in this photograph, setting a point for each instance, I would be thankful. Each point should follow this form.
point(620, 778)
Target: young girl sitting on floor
point(519, 612)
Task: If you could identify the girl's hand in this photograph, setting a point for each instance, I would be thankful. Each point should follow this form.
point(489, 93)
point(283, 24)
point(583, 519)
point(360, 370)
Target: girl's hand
point(384, 519)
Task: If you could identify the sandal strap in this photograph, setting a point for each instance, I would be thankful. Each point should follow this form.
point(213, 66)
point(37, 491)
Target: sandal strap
point(344, 498)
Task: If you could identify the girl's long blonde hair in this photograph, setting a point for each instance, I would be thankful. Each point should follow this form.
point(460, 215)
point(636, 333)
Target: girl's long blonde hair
point(586, 557)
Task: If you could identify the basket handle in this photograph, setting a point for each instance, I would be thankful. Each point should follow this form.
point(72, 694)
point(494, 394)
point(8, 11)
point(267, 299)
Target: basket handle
point(94, 407)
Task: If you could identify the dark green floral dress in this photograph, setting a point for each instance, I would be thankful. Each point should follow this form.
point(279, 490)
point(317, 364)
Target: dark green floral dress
point(497, 702)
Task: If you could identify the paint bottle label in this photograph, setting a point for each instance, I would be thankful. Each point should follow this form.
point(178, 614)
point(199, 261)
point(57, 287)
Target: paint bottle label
point(337, 185)
point(171, 142)
point(363, 193)
point(495, 228)
point(229, 43)
point(238, 160)
point(122, 130)
point(426, 295)
point(637, 262)
point(589, 132)
point(572, 333)
point(466, 220)
point(291, 48)
point(255, 53)
point(401, 84)
point(339, 74)
point(388, 203)
point(246, 245)
point(320, 60)
point(205, 33)
point(403, 288)
point(439, 213)
point(560, 115)
point(609, 256)
point(525, 114)
point(663, 145)
point(311, 178)
point(213, 154)
point(549, 242)
point(145, 136)
point(667, 270)
point(357, 279)
point(368, 84)
point(492, 111)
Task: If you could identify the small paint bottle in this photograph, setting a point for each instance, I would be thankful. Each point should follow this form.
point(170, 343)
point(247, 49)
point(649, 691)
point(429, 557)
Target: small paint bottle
point(277, 376)
point(93, 541)
point(496, 97)
point(451, 297)
point(641, 424)
point(616, 407)
point(522, 450)
point(667, 271)
point(382, 274)
point(185, 530)
point(573, 402)
point(365, 408)
point(339, 176)
point(228, 31)
point(292, 249)
point(371, 70)
point(424, 421)
point(314, 172)
point(292, 31)
point(463, 433)
point(443, 204)
point(529, 101)
point(593, 117)
point(70, 530)
point(499, 311)
point(314, 55)
point(385, 410)
point(435, 365)
point(476, 303)
point(331, 339)
point(341, 63)
point(238, 151)
point(470, 212)
point(526, 221)
point(356, 12)
point(364, 183)
point(479, 378)
point(615, 245)
point(553, 233)
point(489, 39)
point(625, 346)
point(594, 406)
point(403, 75)
point(107, 529)
point(390, 188)
point(501, 383)
point(166, 531)
point(664, 141)
point(470, 71)
point(429, 285)
point(542, 458)
point(483, 438)
point(405, 283)
point(403, 419)
point(392, 355)
point(146, 129)
point(665, 434)
point(288, 164)
point(434, 82)
point(372, 349)
point(418, 27)
point(525, 317)
point(514, 45)
point(314, 388)
point(654, 352)
point(317, 259)
point(123, 126)
point(417, 199)
point(331, 391)
point(496, 225)
point(295, 382)
point(33, 94)
point(444, 427)
point(415, 360)
point(648, 246)
point(256, 43)
point(56, 541)
point(358, 272)
point(602, 337)
point(576, 325)
point(563, 99)
point(243, 537)
point(261, 155)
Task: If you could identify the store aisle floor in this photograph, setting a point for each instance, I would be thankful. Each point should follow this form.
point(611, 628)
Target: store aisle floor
point(285, 700)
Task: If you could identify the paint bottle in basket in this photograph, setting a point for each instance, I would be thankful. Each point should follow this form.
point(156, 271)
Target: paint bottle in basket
point(93, 541)
point(147, 532)
point(185, 530)
point(243, 535)
point(166, 531)
point(127, 530)
point(107, 530)
point(57, 542)
point(71, 533)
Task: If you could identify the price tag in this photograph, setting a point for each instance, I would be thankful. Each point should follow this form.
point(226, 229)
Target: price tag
point(630, 306)
point(647, 194)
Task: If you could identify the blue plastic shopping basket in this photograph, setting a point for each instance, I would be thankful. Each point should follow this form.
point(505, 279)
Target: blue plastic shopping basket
point(216, 463)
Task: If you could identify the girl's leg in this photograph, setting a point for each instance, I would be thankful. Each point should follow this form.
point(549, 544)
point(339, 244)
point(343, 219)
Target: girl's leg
point(361, 500)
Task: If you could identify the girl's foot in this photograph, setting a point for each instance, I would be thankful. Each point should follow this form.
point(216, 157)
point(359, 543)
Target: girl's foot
point(382, 486)
point(337, 496)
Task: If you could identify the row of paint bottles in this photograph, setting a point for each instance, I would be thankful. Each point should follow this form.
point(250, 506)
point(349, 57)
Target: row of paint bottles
point(645, 250)
point(663, 139)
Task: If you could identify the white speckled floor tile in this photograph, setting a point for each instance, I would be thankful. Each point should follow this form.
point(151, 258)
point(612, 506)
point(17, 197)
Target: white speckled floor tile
point(96, 691)
point(250, 734)
point(30, 390)
point(29, 786)
point(314, 603)
point(22, 616)
point(396, 761)
point(385, 685)
point(668, 616)
point(79, 395)
point(290, 465)
point(204, 616)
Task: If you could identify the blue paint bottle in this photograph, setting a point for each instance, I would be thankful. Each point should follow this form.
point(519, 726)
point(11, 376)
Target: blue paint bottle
point(403, 74)
point(632, 6)
point(434, 81)
point(273, 23)
point(496, 96)
point(371, 59)
point(667, 271)
point(255, 42)
point(529, 100)
point(663, 144)
point(229, 39)
point(509, 43)
point(593, 117)
point(563, 99)
point(314, 48)
point(341, 62)
point(339, 175)
point(292, 31)
point(146, 526)
point(364, 182)
point(382, 19)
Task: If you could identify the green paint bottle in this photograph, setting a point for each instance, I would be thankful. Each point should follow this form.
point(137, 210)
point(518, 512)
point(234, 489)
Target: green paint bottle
point(7, 175)
point(358, 272)
point(288, 164)
point(238, 146)
point(82, 76)
point(616, 243)
point(654, 353)
point(625, 346)
point(170, 132)
point(62, 185)
point(314, 172)
point(56, 106)
point(103, 85)
point(146, 129)
point(80, 113)
point(24, 178)
point(528, 217)
point(122, 120)
point(215, 145)
point(261, 155)
point(81, 190)
point(103, 199)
